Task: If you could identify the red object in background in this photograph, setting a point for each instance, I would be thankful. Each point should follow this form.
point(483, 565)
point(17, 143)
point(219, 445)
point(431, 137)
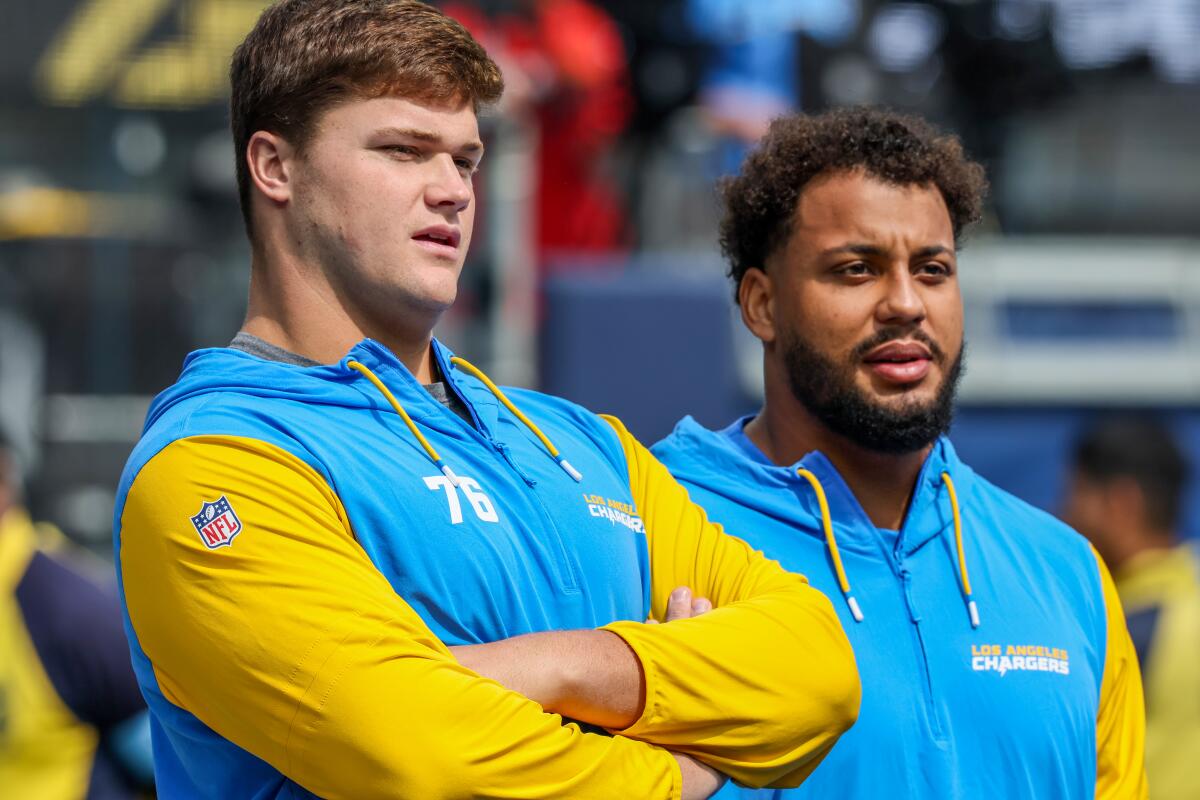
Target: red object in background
point(572, 54)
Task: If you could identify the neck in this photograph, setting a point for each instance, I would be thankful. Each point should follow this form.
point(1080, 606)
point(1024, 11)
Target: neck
point(295, 308)
point(882, 482)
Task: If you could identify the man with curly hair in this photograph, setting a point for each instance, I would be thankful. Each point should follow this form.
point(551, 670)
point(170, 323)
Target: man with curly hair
point(994, 657)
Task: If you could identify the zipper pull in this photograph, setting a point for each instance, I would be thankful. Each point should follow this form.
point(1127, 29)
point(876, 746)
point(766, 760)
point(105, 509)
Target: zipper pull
point(504, 450)
point(906, 579)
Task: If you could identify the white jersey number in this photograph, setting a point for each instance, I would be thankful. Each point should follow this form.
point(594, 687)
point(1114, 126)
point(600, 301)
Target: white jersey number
point(480, 504)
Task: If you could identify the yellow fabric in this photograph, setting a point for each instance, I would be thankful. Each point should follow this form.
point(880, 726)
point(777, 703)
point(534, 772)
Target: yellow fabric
point(762, 686)
point(1170, 580)
point(324, 672)
point(1121, 718)
point(45, 752)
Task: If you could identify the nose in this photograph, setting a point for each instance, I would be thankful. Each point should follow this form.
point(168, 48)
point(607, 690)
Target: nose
point(448, 188)
point(902, 302)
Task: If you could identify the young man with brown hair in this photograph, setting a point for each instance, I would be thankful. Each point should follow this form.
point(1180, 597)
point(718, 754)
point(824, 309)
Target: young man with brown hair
point(994, 656)
point(354, 567)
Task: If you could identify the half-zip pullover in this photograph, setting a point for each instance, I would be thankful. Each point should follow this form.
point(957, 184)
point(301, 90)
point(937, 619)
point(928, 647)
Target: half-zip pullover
point(297, 546)
point(1041, 700)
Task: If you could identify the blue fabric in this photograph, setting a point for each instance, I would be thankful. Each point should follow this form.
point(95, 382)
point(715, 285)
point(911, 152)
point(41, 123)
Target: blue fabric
point(548, 563)
point(939, 718)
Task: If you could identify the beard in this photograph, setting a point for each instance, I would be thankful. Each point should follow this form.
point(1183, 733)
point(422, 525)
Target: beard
point(828, 391)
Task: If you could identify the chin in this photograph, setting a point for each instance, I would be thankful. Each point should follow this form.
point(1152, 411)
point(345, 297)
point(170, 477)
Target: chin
point(438, 298)
point(887, 393)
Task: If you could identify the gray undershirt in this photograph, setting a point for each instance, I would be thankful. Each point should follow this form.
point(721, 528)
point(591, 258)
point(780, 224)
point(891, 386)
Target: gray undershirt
point(252, 345)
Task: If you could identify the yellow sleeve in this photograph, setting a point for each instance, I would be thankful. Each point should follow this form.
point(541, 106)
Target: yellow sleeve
point(761, 687)
point(1121, 719)
point(292, 645)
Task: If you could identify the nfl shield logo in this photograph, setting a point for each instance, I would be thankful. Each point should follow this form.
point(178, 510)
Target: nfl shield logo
point(217, 524)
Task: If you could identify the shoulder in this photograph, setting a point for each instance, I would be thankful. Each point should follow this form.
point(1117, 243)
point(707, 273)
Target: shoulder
point(1026, 522)
point(215, 416)
point(214, 440)
point(687, 437)
point(1037, 539)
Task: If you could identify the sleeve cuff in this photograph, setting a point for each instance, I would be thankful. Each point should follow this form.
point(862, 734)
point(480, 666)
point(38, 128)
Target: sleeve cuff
point(628, 631)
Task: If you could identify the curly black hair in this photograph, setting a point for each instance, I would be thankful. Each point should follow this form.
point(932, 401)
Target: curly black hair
point(760, 203)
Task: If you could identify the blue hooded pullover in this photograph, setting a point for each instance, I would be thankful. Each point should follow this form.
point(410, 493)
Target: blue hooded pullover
point(1040, 700)
point(298, 545)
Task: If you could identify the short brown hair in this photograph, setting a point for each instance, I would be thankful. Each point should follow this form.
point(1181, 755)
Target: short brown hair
point(304, 56)
point(760, 203)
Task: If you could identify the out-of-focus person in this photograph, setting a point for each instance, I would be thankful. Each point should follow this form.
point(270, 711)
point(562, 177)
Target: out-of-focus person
point(565, 65)
point(753, 74)
point(1125, 494)
point(72, 721)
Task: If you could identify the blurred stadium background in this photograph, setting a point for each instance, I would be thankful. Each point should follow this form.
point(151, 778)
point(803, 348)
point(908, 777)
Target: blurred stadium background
point(594, 273)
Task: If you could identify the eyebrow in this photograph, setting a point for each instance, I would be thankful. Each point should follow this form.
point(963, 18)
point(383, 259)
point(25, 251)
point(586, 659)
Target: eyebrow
point(427, 136)
point(861, 249)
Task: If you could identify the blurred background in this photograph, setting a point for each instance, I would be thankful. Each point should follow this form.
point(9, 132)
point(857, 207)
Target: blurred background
point(594, 273)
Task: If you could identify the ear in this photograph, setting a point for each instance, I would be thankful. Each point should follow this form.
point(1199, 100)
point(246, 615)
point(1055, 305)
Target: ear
point(756, 296)
point(270, 160)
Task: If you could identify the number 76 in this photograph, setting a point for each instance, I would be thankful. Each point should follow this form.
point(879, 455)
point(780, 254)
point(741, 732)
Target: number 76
point(470, 487)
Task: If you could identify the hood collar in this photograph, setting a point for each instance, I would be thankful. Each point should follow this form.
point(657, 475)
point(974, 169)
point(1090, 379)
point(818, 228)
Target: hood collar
point(711, 459)
point(814, 487)
point(222, 369)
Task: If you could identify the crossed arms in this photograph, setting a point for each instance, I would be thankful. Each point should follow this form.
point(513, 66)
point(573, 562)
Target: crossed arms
point(332, 678)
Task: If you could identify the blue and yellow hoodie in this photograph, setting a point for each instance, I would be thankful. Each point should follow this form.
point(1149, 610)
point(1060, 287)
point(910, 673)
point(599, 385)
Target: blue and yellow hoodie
point(994, 658)
point(297, 547)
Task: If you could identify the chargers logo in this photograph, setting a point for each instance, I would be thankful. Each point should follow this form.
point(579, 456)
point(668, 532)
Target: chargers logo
point(1019, 658)
point(616, 512)
point(217, 524)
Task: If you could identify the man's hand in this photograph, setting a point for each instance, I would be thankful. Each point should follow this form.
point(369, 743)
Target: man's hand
point(681, 605)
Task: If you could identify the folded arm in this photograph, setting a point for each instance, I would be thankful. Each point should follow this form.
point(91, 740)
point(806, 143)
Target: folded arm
point(589, 675)
point(290, 644)
point(760, 688)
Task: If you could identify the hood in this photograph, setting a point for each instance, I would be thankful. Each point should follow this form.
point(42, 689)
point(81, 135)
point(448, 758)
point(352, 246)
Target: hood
point(710, 459)
point(221, 369)
point(814, 500)
point(370, 377)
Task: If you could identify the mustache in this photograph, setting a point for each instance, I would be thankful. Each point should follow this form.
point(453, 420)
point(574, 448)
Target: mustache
point(895, 333)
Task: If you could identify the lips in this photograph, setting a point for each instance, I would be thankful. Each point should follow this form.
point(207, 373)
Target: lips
point(439, 239)
point(900, 362)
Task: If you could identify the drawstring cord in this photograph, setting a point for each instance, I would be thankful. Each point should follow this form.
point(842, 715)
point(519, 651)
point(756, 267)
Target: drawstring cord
point(494, 389)
point(831, 543)
point(836, 556)
point(412, 426)
point(972, 609)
